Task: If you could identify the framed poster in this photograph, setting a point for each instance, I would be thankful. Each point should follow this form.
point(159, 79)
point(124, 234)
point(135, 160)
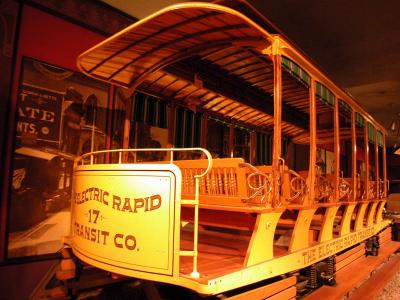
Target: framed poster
point(61, 114)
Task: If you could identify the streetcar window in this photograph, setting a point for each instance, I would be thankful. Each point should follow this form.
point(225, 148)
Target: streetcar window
point(381, 177)
point(346, 149)
point(187, 131)
point(241, 143)
point(263, 149)
point(372, 172)
point(218, 138)
point(360, 165)
point(148, 126)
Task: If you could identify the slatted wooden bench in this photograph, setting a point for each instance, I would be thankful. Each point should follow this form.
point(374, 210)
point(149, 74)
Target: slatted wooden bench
point(227, 183)
point(227, 197)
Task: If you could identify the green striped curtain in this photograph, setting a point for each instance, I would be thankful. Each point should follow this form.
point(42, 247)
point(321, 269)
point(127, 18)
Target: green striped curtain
point(344, 106)
point(371, 133)
point(345, 111)
point(325, 95)
point(295, 70)
point(359, 120)
point(379, 137)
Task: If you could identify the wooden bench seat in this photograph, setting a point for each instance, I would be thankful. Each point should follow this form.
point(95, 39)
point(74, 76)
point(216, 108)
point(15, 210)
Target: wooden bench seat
point(225, 197)
point(225, 185)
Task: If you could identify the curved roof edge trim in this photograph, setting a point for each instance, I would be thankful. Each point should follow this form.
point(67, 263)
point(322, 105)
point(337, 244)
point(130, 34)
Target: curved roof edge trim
point(265, 38)
point(98, 55)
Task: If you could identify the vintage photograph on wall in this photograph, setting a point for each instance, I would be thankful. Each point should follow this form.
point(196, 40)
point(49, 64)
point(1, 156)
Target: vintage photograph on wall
point(61, 114)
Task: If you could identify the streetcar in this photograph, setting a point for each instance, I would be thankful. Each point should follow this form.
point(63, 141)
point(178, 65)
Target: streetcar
point(289, 169)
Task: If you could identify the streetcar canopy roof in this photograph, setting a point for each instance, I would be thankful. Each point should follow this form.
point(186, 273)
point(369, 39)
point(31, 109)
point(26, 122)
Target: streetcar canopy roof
point(208, 57)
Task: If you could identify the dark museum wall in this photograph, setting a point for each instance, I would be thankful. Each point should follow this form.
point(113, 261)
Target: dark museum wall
point(54, 32)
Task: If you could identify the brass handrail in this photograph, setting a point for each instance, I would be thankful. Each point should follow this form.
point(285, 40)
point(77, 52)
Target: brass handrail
point(298, 185)
point(258, 191)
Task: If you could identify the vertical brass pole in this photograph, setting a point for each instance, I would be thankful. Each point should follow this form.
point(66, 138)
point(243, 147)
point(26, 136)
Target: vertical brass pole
point(377, 183)
point(354, 154)
point(109, 130)
point(195, 272)
point(277, 148)
point(337, 148)
point(171, 129)
point(127, 125)
point(313, 144)
point(366, 155)
point(385, 188)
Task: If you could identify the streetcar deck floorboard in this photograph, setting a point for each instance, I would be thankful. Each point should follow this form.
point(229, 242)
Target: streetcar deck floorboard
point(219, 252)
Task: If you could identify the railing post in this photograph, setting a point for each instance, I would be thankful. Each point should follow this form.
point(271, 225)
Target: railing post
point(337, 149)
point(313, 144)
point(195, 273)
point(377, 173)
point(277, 138)
point(385, 185)
point(354, 156)
point(366, 160)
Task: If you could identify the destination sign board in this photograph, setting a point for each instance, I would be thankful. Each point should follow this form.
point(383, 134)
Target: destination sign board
point(125, 218)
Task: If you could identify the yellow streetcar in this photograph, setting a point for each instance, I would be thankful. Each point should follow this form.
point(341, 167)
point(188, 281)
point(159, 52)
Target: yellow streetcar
point(212, 219)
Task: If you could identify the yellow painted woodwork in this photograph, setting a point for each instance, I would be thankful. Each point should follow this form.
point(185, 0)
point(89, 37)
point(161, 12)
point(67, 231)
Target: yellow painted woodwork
point(264, 270)
point(360, 216)
point(117, 221)
point(346, 219)
point(379, 216)
point(284, 264)
point(326, 232)
point(261, 243)
point(371, 213)
point(299, 238)
point(114, 208)
point(119, 180)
